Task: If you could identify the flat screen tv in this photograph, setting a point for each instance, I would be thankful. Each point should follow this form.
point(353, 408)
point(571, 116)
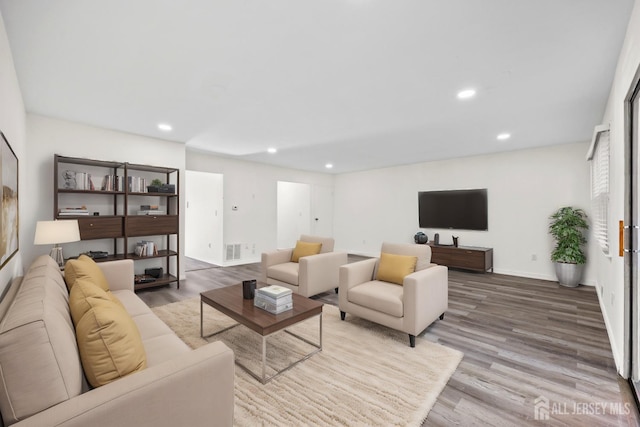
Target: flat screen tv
point(455, 209)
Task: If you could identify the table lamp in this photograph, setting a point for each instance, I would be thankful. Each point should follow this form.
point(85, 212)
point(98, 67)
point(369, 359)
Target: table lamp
point(54, 233)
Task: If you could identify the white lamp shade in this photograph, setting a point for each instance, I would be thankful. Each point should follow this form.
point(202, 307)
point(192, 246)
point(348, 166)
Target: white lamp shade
point(55, 232)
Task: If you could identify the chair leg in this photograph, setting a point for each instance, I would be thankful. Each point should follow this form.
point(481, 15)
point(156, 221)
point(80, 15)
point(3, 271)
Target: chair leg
point(336, 290)
point(412, 340)
point(342, 314)
point(442, 316)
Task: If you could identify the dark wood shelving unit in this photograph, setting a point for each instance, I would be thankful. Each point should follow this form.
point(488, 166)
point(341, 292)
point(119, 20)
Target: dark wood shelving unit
point(120, 223)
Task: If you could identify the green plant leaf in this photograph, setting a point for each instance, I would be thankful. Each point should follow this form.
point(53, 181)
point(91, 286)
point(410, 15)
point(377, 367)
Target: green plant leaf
point(567, 227)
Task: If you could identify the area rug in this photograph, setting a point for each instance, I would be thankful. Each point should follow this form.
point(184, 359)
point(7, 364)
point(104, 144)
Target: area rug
point(365, 374)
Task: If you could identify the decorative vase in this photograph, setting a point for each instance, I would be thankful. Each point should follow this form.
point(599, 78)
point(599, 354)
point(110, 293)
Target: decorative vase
point(69, 180)
point(569, 274)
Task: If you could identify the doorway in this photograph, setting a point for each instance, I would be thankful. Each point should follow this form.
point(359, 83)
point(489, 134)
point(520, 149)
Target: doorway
point(204, 217)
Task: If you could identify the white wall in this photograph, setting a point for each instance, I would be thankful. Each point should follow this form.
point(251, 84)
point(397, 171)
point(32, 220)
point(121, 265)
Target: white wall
point(524, 188)
point(252, 187)
point(610, 270)
point(48, 136)
point(12, 124)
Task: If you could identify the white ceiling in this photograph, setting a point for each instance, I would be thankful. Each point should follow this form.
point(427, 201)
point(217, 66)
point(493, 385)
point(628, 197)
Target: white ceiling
point(358, 83)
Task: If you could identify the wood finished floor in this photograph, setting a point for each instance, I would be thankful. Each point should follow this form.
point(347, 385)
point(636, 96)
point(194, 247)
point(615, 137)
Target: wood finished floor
point(522, 339)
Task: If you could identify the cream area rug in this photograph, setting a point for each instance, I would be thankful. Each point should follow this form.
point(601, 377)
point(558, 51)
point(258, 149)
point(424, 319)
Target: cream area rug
point(365, 375)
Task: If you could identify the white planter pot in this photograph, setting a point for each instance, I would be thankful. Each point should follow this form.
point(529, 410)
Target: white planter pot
point(569, 274)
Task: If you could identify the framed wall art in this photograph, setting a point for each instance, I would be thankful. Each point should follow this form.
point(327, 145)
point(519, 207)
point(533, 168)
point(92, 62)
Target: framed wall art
point(8, 202)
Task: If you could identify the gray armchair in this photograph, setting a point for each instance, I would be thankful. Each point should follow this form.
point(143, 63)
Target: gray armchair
point(410, 307)
point(309, 276)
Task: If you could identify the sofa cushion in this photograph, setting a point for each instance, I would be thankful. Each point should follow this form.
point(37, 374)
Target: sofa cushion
point(39, 361)
point(150, 326)
point(379, 296)
point(393, 268)
point(287, 272)
point(164, 347)
point(132, 303)
point(84, 268)
point(109, 342)
point(159, 341)
point(83, 289)
point(305, 249)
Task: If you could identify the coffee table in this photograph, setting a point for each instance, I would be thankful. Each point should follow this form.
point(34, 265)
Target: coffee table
point(228, 300)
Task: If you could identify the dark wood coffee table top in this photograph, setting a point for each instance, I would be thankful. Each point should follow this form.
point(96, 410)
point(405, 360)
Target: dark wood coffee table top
point(228, 300)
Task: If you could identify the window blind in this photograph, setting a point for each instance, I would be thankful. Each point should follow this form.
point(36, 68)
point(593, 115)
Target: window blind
point(599, 159)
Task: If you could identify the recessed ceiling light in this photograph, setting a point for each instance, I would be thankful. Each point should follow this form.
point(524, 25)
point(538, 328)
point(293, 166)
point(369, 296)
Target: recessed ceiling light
point(272, 150)
point(165, 127)
point(503, 136)
point(328, 165)
point(466, 94)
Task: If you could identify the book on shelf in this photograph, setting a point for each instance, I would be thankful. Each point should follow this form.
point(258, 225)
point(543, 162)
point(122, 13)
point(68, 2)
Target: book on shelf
point(112, 183)
point(137, 184)
point(73, 211)
point(153, 212)
point(143, 278)
point(83, 181)
point(76, 213)
point(146, 248)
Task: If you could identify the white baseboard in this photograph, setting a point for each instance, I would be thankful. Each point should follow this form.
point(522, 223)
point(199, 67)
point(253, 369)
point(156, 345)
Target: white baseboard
point(530, 275)
point(241, 262)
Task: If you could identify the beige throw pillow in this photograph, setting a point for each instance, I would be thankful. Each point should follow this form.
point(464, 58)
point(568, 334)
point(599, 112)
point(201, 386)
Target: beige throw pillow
point(393, 268)
point(305, 249)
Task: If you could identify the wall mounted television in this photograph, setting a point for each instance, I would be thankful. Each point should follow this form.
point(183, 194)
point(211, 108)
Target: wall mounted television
point(454, 209)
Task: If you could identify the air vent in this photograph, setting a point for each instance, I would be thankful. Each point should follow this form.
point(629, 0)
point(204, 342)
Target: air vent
point(233, 251)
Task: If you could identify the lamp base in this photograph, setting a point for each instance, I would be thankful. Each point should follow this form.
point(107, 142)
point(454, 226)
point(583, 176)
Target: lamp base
point(56, 254)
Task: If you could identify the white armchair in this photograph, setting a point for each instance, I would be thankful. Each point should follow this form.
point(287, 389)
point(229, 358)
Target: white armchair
point(309, 276)
point(410, 307)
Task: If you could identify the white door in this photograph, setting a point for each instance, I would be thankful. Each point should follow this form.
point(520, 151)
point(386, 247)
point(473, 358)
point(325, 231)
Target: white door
point(294, 212)
point(322, 211)
point(204, 220)
point(632, 249)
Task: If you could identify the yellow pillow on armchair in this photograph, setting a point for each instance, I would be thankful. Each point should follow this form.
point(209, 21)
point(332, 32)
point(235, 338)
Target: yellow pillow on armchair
point(305, 249)
point(393, 268)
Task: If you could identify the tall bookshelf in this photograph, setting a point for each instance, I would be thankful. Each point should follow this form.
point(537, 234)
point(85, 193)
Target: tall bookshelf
point(113, 195)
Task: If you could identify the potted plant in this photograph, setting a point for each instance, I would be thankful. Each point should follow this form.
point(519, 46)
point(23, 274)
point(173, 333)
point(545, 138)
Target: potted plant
point(155, 186)
point(567, 227)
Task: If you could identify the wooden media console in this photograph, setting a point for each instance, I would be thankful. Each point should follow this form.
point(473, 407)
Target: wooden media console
point(463, 257)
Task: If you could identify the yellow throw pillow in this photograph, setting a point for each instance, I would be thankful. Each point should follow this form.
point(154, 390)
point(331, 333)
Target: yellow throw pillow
point(83, 289)
point(84, 268)
point(305, 249)
point(393, 268)
point(109, 342)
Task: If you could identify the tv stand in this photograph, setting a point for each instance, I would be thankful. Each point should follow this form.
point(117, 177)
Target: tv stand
point(463, 257)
